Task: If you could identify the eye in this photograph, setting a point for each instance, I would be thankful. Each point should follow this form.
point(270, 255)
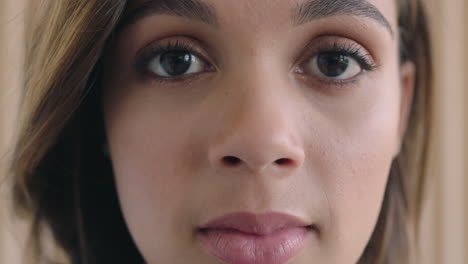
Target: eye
point(172, 62)
point(334, 65)
point(175, 63)
point(336, 60)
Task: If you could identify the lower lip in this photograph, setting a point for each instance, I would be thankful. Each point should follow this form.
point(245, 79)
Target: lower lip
point(235, 247)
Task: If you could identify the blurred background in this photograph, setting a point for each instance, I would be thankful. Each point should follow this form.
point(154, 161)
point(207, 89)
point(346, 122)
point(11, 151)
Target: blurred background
point(444, 229)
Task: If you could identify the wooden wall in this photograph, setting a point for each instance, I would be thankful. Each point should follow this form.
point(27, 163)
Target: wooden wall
point(11, 34)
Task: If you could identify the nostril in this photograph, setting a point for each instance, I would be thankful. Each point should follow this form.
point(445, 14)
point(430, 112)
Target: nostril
point(231, 160)
point(284, 161)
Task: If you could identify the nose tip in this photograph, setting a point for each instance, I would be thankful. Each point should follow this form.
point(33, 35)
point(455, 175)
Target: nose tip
point(259, 126)
point(258, 156)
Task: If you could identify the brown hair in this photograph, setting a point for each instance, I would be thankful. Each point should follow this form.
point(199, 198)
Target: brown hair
point(64, 184)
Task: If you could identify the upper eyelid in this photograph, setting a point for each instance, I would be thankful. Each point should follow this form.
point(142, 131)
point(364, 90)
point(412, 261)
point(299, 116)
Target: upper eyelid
point(338, 41)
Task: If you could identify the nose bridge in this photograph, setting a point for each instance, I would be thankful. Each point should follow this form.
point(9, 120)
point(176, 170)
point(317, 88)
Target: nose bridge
point(257, 125)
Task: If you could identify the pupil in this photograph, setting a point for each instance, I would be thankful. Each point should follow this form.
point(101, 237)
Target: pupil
point(176, 62)
point(332, 64)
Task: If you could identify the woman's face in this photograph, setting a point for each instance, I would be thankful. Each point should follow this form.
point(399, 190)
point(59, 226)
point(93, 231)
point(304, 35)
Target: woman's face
point(258, 107)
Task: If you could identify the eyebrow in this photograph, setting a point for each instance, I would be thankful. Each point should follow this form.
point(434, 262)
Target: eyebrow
point(303, 12)
point(193, 9)
point(315, 9)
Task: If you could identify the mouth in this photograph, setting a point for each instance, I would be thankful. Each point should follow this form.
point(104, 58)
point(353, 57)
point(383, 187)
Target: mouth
point(246, 238)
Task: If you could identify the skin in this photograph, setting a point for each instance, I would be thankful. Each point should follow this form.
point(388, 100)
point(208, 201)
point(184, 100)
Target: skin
point(167, 140)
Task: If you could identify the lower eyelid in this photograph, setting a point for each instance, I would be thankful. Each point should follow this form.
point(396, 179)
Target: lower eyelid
point(331, 86)
point(329, 80)
point(185, 79)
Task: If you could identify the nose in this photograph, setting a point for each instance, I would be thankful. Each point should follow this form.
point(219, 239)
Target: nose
point(256, 129)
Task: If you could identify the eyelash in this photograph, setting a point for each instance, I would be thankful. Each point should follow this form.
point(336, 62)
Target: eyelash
point(349, 49)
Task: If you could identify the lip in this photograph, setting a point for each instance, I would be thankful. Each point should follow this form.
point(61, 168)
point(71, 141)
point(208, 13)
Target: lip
point(247, 238)
point(259, 224)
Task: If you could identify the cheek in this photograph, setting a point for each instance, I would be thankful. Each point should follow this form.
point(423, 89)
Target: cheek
point(152, 172)
point(355, 190)
point(356, 156)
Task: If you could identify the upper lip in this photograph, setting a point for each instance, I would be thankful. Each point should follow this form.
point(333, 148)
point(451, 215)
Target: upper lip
point(260, 224)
